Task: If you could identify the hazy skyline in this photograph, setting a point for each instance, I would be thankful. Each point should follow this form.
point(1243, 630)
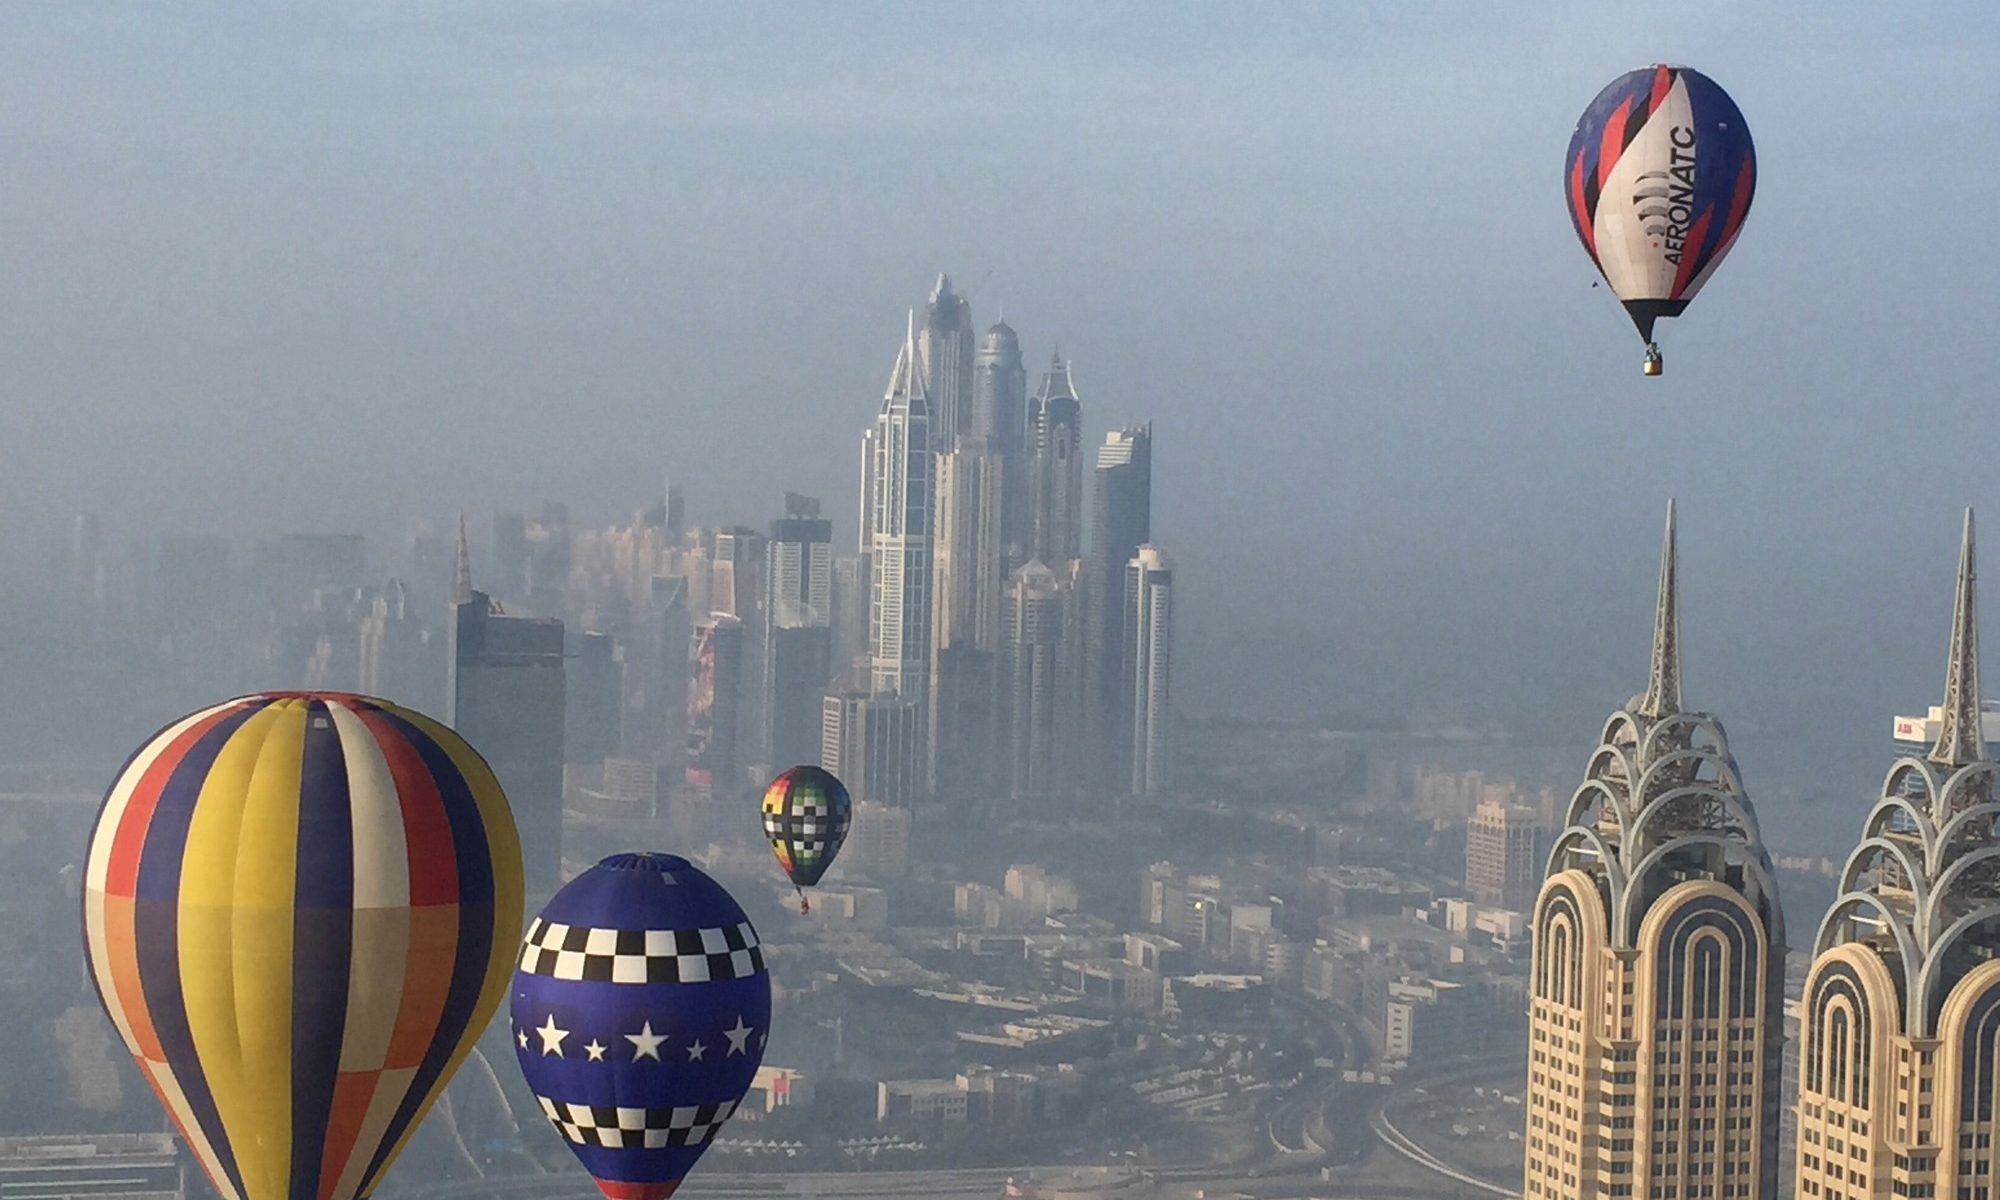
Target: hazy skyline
point(291, 269)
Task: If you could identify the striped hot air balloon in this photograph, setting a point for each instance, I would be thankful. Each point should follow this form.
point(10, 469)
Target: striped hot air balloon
point(1659, 178)
point(300, 911)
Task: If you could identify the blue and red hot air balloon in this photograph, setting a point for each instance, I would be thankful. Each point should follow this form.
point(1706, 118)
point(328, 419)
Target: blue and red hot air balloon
point(1659, 179)
point(640, 1011)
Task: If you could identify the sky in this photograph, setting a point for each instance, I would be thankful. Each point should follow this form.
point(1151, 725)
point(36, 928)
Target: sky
point(305, 266)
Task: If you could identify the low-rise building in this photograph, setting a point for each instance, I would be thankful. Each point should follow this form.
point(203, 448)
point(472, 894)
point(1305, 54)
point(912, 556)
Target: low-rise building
point(1114, 983)
point(916, 1100)
point(774, 1088)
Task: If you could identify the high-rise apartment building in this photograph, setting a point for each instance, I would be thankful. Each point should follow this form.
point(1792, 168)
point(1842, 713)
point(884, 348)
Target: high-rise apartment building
point(1899, 1057)
point(1000, 414)
point(399, 661)
point(1031, 679)
point(715, 689)
point(875, 745)
point(850, 620)
point(505, 693)
point(595, 691)
point(965, 620)
point(1656, 979)
point(658, 731)
point(798, 644)
point(945, 343)
point(898, 521)
point(1056, 476)
point(1148, 663)
point(1501, 864)
point(1121, 521)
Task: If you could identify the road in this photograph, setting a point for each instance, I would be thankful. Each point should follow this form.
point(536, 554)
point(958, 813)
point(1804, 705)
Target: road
point(1400, 1143)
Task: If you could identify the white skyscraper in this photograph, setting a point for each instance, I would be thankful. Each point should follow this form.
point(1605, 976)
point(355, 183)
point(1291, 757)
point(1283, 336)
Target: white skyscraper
point(898, 520)
point(945, 344)
point(1056, 506)
point(1149, 595)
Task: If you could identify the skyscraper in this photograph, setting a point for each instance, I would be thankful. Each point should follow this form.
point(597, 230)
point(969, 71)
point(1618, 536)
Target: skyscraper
point(1121, 520)
point(1656, 983)
point(966, 617)
point(595, 692)
point(736, 572)
point(1148, 662)
point(798, 654)
point(659, 735)
point(945, 343)
point(1898, 1064)
point(1000, 414)
point(1500, 859)
point(1032, 632)
point(504, 691)
point(875, 745)
point(898, 518)
point(715, 688)
point(1056, 482)
point(398, 660)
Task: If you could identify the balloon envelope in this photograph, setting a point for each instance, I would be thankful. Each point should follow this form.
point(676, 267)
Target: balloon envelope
point(639, 1012)
point(806, 816)
point(1659, 178)
point(299, 912)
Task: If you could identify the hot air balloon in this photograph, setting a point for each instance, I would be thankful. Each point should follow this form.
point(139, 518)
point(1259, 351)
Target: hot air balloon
point(806, 815)
point(299, 911)
point(640, 1011)
point(1659, 178)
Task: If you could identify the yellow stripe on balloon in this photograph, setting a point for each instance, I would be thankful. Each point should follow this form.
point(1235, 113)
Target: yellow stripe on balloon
point(236, 937)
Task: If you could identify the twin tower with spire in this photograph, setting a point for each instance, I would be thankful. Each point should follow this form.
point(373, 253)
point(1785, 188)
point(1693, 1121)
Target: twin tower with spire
point(1656, 1020)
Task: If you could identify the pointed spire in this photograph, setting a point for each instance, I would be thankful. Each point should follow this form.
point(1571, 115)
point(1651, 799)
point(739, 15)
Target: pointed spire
point(906, 381)
point(461, 584)
point(1961, 739)
point(1663, 683)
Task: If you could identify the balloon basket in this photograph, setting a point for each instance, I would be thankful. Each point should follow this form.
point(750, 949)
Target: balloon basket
point(1652, 365)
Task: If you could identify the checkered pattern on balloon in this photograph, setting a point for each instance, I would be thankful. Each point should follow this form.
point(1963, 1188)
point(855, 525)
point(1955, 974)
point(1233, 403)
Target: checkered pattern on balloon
point(640, 1010)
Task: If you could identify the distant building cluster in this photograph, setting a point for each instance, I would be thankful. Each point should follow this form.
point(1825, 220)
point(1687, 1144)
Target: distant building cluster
point(1002, 630)
point(996, 645)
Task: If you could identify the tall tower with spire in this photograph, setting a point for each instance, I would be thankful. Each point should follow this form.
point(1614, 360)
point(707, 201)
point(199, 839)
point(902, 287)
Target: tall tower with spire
point(898, 521)
point(945, 343)
point(1057, 483)
point(1899, 1070)
point(1000, 415)
point(1656, 984)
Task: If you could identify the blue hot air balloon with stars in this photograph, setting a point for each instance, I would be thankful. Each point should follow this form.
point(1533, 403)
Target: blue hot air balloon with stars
point(640, 1010)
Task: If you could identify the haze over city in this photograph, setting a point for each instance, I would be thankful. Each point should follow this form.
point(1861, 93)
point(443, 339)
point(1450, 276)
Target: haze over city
point(368, 268)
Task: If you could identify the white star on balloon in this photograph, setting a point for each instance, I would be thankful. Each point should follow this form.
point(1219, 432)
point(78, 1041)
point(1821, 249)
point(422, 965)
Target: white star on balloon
point(696, 1051)
point(739, 1038)
point(595, 1051)
point(521, 1036)
point(646, 1043)
point(552, 1038)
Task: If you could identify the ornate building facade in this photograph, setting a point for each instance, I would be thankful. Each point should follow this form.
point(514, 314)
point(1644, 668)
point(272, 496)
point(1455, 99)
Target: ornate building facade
point(1655, 1021)
point(1901, 1012)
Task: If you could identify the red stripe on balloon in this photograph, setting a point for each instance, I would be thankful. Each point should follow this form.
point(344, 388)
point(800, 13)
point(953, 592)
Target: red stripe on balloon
point(1613, 143)
point(1578, 211)
point(122, 869)
point(1739, 205)
point(1690, 250)
point(1663, 82)
point(617, 1190)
